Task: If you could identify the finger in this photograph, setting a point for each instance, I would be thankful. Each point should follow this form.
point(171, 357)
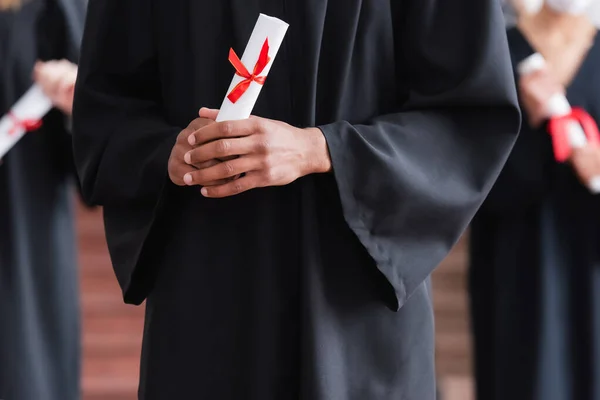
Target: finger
point(226, 129)
point(66, 91)
point(206, 164)
point(53, 85)
point(221, 148)
point(220, 182)
point(200, 123)
point(49, 72)
point(223, 170)
point(178, 172)
point(209, 113)
point(549, 81)
point(182, 139)
point(249, 181)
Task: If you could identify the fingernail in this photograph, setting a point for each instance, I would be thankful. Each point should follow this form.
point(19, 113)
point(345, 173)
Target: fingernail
point(187, 158)
point(204, 192)
point(187, 178)
point(595, 185)
point(192, 139)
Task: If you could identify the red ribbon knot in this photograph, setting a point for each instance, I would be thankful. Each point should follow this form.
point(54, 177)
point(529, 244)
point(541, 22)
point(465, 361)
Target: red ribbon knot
point(241, 70)
point(28, 125)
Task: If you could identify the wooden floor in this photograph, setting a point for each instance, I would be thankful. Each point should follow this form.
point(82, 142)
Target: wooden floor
point(113, 331)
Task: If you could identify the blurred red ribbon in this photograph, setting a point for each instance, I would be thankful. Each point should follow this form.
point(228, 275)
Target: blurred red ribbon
point(28, 125)
point(241, 70)
point(558, 127)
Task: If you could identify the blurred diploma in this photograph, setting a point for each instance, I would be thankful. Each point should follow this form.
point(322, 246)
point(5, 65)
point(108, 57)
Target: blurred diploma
point(252, 69)
point(25, 115)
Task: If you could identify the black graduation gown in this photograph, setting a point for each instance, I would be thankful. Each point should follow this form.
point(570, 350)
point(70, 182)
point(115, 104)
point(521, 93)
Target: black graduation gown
point(535, 267)
point(315, 290)
point(39, 294)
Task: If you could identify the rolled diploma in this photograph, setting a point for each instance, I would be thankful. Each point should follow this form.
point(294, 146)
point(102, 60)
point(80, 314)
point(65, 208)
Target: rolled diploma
point(559, 106)
point(34, 104)
point(266, 27)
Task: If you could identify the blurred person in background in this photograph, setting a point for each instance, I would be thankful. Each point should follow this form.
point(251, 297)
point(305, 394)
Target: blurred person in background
point(39, 294)
point(535, 244)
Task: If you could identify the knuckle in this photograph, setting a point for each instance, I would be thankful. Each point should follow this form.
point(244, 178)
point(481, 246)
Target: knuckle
point(266, 163)
point(228, 168)
point(223, 146)
point(193, 125)
point(260, 125)
point(184, 134)
point(269, 175)
point(226, 128)
point(263, 145)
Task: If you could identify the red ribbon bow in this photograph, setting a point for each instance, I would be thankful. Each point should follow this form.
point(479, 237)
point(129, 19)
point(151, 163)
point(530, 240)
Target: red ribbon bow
point(558, 128)
point(242, 71)
point(28, 125)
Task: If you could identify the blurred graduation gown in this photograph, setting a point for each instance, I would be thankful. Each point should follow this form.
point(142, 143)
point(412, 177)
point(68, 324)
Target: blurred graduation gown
point(535, 266)
point(39, 295)
point(315, 290)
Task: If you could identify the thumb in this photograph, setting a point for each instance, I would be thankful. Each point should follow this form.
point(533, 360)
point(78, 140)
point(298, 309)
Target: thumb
point(208, 113)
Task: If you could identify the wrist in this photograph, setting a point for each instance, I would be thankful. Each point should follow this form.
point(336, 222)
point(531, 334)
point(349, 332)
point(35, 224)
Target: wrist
point(318, 160)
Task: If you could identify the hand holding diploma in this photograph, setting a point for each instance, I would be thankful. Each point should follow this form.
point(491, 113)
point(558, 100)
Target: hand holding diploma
point(536, 89)
point(53, 87)
point(227, 151)
point(252, 152)
point(57, 80)
point(574, 133)
point(267, 153)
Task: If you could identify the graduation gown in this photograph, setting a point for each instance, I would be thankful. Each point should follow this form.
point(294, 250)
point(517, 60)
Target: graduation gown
point(315, 290)
point(535, 258)
point(39, 294)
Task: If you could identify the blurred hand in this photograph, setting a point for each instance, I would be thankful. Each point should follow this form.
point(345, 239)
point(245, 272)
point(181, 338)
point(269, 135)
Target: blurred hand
point(178, 168)
point(586, 163)
point(535, 90)
point(57, 80)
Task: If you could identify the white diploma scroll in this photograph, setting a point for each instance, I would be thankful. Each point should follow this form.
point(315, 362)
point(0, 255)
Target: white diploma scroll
point(267, 30)
point(558, 106)
point(31, 107)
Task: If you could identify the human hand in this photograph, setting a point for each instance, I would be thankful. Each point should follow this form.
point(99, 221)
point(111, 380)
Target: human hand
point(57, 80)
point(177, 167)
point(535, 90)
point(267, 153)
point(586, 163)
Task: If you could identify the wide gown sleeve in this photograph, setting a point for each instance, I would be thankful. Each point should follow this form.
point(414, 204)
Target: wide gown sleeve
point(121, 141)
point(411, 181)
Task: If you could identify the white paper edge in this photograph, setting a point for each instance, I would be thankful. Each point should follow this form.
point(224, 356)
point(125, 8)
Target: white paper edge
point(32, 105)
